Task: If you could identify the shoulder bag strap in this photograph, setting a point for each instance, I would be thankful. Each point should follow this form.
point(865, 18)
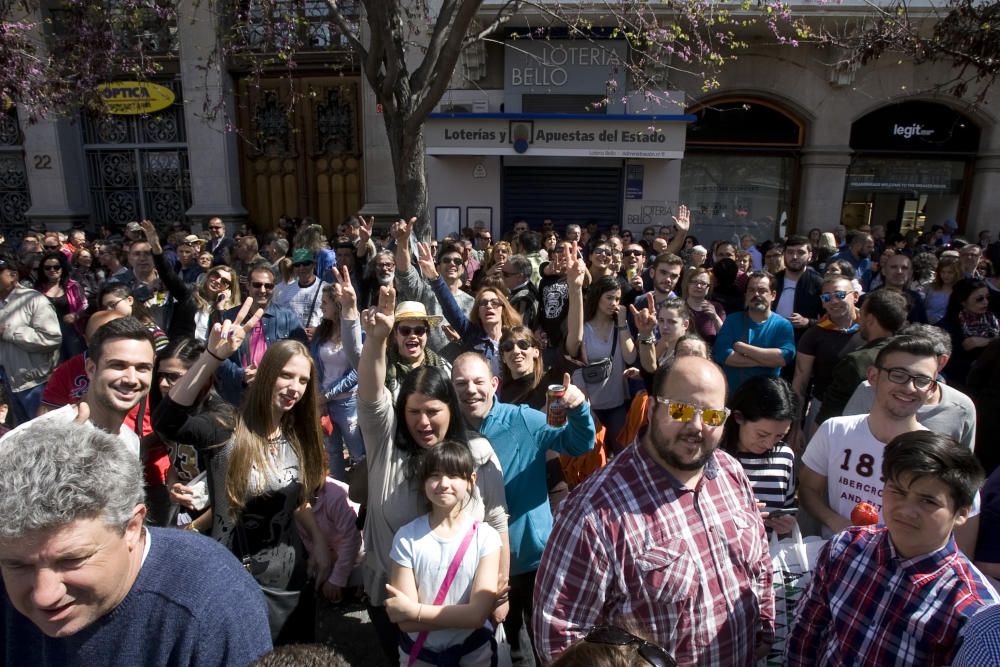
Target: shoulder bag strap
point(445, 586)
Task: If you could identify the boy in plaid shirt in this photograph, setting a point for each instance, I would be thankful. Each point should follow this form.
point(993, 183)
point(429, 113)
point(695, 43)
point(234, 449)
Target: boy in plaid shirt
point(898, 594)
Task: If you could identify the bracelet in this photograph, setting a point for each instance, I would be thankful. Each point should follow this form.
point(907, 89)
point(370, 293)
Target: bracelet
point(621, 327)
point(649, 340)
point(214, 355)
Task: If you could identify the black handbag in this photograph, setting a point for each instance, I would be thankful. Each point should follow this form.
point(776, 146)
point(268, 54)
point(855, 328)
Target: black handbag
point(280, 602)
point(599, 371)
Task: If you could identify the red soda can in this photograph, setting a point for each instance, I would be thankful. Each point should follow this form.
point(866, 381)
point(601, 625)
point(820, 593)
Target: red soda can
point(555, 406)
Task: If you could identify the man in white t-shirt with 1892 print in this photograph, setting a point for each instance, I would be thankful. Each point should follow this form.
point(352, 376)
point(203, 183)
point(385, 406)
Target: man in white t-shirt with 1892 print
point(843, 462)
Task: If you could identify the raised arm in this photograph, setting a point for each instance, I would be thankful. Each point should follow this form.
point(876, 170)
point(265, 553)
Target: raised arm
point(645, 323)
point(224, 339)
point(682, 222)
point(377, 323)
point(177, 287)
point(575, 271)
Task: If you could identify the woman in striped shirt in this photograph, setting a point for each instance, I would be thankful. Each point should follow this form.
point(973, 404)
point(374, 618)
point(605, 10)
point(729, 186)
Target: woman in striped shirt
point(762, 411)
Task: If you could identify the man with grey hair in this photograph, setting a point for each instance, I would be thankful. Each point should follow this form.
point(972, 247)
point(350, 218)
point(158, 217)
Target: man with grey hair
point(85, 582)
point(946, 410)
point(523, 295)
point(379, 272)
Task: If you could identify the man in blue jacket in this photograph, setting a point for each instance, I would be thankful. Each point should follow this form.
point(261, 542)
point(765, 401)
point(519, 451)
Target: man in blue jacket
point(278, 323)
point(520, 437)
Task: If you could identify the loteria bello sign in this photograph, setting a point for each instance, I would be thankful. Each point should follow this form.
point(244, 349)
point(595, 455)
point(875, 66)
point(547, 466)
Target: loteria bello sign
point(131, 98)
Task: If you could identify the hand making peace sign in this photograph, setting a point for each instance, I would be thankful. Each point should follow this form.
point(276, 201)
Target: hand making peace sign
point(224, 339)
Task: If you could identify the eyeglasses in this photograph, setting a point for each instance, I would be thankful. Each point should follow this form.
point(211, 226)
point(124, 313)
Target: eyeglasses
point(406, 330)
point(633, 253)
point(827, 297)
point(263, 286)
point(385, 266)
point(490, 303)
point(114, 304)
point(900, 376)
point(52, 267)
point(299, 265)
point(612, 636)
point(685, 412)
point(452, 261)
point(225, 281)
point(601, 251)
point(508, 345)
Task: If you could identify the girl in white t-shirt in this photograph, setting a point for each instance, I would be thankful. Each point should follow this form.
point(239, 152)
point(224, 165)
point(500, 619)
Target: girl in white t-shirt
point(422, 556)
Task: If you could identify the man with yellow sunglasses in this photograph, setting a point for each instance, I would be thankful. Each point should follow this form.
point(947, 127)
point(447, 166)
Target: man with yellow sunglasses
point(667, 537)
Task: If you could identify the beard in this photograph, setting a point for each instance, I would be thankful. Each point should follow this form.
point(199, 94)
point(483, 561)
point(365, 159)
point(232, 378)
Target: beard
point(384, 280)
point(758, 305)
point(666, 449)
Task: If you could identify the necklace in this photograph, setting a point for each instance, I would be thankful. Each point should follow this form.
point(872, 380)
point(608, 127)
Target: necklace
point(273, 447)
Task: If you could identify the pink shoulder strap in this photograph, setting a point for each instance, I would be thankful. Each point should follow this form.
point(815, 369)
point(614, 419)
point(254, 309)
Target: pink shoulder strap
point(445, 586)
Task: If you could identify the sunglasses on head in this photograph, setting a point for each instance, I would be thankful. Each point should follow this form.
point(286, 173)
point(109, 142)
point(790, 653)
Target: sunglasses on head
point(612, 636)
point(827, 297)
point(685, 412)
point(414, 330)
point(260, 285)
point(508, 345)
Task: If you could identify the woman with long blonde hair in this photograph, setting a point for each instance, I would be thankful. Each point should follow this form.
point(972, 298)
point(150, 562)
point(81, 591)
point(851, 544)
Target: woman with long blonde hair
point(264, 475)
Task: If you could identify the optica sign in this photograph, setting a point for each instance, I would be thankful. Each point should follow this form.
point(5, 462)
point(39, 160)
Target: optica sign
point(130, 98)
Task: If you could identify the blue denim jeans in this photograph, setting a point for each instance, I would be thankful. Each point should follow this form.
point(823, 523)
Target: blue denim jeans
point(24, 404)
point(344, 415)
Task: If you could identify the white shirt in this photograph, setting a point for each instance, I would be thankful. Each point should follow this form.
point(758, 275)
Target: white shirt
point(67, 414)
point(786, 300)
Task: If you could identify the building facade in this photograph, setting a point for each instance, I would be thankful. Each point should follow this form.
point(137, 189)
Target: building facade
point(529, 129)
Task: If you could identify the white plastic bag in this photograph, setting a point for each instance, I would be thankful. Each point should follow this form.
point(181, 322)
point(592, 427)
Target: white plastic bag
point(793, 559)
point(503, 648)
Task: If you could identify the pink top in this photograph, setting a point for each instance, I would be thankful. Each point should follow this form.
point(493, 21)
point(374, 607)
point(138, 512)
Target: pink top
point(337, 519)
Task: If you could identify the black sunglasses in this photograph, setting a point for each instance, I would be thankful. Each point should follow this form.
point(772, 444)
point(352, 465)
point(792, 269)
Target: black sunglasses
point(265, 286)
point(612, 636)
point(508, 345)
point(407, 330)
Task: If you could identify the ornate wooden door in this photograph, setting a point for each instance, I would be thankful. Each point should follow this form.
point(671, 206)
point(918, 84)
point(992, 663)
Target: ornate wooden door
point(301, 154)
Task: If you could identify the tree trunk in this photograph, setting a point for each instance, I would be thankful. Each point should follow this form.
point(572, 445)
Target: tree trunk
point(407, 150)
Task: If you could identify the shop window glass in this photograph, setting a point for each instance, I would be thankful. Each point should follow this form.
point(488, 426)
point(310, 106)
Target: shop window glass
point(731, 194)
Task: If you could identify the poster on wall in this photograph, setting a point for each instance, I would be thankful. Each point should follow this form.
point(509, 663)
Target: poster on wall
point(633, 181)
point(480, 217)
point(447, 221)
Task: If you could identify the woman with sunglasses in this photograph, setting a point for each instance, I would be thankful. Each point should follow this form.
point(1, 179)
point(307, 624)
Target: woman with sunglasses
point(601, 261)
point(708, 315)
point(762, 412)
point(68, 299)
point(425, 414)
point(480, 331)
point(265, 473)
point(971, 325)
point(596, 332)
point(216, 294)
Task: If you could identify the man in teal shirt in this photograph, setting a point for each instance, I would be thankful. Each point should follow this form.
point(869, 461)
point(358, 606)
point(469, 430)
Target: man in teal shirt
point(520, 436)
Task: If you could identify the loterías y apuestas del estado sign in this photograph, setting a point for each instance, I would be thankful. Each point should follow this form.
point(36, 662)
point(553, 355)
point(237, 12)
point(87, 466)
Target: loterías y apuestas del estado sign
point(131, 98)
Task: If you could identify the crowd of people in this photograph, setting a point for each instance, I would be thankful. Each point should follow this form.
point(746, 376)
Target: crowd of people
point(594, 437)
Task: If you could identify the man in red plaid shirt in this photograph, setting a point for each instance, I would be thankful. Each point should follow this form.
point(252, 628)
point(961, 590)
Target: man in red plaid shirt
point(666, 539)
